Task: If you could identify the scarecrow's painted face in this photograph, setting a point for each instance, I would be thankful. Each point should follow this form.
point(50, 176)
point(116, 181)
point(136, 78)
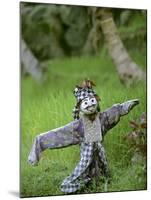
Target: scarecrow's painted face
point(88, 105)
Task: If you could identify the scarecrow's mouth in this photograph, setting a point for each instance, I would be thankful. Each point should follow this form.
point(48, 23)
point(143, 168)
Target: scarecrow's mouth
point(91, 108)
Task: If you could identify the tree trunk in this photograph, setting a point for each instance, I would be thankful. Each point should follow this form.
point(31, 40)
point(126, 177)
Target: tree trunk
point(30, 64)
point(127, 69)
point(92, 44)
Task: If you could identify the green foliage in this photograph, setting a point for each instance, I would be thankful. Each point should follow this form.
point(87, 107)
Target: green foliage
point(54, 30)
point(77, 32)
point(137, 139)
point(44, 107)
point(42, 29)
point(134, 32)
point(62, 30)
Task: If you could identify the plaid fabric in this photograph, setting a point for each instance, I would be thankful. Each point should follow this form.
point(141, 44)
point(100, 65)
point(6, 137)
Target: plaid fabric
point(103, 160)
point(80, 175)
point(82, 93)
point(75, 112)
point(74, 182)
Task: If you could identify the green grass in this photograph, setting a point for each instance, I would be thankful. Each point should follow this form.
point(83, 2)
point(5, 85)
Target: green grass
point(49, 105)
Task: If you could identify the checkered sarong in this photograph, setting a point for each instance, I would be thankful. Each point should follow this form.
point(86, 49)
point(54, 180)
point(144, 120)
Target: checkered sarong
point(80, 175)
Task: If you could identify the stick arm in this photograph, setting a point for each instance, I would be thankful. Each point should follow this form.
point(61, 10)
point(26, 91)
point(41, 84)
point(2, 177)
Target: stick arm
point(110, 117)
point(56, 138)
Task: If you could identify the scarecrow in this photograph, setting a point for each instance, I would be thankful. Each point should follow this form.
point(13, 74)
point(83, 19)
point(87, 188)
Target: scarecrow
point(88, 129)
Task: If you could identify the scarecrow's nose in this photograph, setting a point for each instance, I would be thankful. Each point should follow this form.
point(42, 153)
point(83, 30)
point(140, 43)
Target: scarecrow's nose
point(89, 104)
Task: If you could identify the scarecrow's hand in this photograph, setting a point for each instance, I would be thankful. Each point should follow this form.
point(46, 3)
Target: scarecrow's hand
point(128, 105)
point(32, 160)
point(33, 157)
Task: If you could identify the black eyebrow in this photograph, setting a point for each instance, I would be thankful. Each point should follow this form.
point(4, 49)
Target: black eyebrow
point(84, 99)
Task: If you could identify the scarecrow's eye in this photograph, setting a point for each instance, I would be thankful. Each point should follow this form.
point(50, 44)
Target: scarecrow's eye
point(92, 100)
point(85, 103)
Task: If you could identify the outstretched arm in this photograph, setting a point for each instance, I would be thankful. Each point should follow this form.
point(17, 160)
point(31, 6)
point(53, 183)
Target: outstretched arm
point(57, 138)
point(127, 106)
point(111, 116)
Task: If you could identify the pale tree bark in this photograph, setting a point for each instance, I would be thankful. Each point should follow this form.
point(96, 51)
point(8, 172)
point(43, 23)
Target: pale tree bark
point(93, 39)
point(92, 44)
point(30, 63)
point(127, 69)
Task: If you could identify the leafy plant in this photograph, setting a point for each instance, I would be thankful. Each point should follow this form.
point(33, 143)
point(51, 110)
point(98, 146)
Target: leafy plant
point(62, 30)
point(138, 137)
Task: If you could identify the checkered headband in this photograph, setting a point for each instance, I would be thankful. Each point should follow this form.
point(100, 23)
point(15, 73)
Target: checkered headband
point(82, 93)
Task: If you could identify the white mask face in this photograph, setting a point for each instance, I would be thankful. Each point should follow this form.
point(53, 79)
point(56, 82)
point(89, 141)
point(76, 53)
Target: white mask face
point(89, 105)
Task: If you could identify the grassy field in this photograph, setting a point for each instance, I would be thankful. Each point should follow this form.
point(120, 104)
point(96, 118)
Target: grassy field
point(49, 105)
